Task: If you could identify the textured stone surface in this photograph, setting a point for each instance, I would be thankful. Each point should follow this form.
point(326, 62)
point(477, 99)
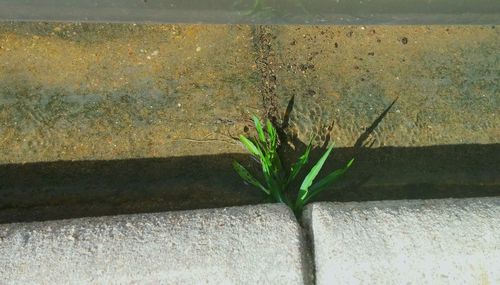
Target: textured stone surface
point(138, 118)
point(245, 245)
point(71, 189)
point(122, 118)
point(108, 91)
point(400, 242)
point(441, 137)
point(446, 78)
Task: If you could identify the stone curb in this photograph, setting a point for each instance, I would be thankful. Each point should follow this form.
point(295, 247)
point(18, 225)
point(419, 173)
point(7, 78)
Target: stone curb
point(400, 242)
point(239, 245)
point(387, 242)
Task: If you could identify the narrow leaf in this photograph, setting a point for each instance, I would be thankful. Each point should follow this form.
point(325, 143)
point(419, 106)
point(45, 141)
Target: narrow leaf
point(250, 146)
point(245, 174)
point(327, 181)
point(262, 148)
point(272, 184)
point(259, 129)
point(273, 136)
point(304, 188)
point(278, 168)
point(303, 159)
point(266, 168)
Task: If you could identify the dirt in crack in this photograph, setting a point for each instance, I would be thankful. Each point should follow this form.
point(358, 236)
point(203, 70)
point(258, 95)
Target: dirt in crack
point(262, 40)
point(265, 60)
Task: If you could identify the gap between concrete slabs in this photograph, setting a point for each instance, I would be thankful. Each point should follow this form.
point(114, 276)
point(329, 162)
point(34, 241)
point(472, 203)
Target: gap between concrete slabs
point(385, 242)
point(239, 245)
point(450, 241)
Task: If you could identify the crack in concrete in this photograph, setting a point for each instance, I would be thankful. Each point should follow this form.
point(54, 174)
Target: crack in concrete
point(308, 258)
point(265, 57)
point(262, 41)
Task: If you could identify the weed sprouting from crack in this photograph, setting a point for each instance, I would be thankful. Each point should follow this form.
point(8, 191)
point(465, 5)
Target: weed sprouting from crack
point(264, 148)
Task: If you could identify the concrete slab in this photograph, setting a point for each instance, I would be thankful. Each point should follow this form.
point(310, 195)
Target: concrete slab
point(445, 77)
point(72, 91)
point(245, 245)
point(343, 77)
point(402, 242)
point(104, 119)
point(140, 118)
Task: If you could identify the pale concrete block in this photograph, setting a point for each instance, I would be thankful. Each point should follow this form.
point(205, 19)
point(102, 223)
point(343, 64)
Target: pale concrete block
point(406, 242)
point(240, 245)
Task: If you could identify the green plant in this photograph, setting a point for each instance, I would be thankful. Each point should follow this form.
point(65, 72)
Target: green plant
point(265, 149)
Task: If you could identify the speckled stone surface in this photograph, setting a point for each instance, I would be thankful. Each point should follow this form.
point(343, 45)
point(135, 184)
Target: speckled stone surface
point(123, 118)
point(110, 91)
point(100, 119)
point(446, 78)
point(245, 245)
point(400, 242)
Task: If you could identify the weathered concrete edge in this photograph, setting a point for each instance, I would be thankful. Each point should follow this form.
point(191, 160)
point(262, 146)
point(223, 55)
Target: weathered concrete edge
point(25, 242)
point(239, 245)
point(350, 242)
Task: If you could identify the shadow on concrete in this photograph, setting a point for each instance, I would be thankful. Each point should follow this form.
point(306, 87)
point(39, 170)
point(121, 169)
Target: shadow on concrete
point(58, 190)
point(69, 189)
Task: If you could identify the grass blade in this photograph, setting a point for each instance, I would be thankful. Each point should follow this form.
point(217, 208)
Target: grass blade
point(259, 129)
point(303, 159)
point(272, 183)
point(278, 168)
point(250, 146)
point(327, 181)
point(245, 174)
point(304, 188)
point(273, 135)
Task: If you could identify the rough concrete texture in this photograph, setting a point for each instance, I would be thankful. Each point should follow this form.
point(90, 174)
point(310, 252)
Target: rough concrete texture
point(146, 117)
point(149, 112)
point(97, 91)
point(446, 78)
point(406, 242)
point(441, 137)
point(247, 245)
point(109, 91)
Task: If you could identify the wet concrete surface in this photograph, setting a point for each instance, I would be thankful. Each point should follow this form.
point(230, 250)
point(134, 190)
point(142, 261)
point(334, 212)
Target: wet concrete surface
point(446, 79)
point(73, 92)
point(118, 118)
